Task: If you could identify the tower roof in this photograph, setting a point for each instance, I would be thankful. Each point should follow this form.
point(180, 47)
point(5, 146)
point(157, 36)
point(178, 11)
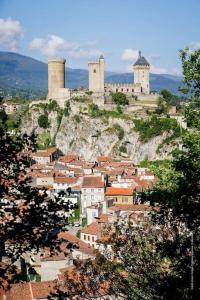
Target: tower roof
point(101, 56)
point(141, 61)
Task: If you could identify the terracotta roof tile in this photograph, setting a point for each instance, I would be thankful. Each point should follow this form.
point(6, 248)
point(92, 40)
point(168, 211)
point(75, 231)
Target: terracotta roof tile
point(93, 228)
point(104, 158)
point(68, 180)
point(131, 207)
point(92, 182)
point(112, 191)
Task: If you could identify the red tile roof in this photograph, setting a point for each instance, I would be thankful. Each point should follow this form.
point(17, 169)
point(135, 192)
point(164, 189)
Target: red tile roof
point(44, 153)
point(68, 180)
point(93, 228)
point(68, 158)
point(131, 207)
point(30, 290)
point(92, 182)
point(104, 158)
point(115, 191)
point(82, 246)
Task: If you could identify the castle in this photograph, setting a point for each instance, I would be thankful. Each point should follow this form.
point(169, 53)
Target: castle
point(139, 89)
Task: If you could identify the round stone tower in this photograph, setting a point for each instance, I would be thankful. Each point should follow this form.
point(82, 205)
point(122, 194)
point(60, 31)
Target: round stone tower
point(141, 70)
point(56, 76)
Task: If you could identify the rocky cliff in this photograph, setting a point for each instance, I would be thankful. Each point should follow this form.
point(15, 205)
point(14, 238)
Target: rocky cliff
point(80, 133)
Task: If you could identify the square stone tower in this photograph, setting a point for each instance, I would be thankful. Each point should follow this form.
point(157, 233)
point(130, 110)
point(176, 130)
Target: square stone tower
point(96, 75)
point(141, 70)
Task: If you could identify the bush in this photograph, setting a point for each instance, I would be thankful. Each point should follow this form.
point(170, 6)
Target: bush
point(52, 106)
point(77, 119)
point(119, 98)
point(155, 126)
point(120, 131)
point(123, 149)
point(43, 121)
point(94, 111)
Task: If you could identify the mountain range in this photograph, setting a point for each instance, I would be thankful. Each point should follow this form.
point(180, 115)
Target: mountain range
point(21, 72)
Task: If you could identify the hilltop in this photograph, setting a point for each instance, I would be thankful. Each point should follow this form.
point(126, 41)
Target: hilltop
point(22, 72)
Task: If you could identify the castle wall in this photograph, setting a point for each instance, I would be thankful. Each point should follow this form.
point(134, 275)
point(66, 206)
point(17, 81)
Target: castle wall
point(126, 88)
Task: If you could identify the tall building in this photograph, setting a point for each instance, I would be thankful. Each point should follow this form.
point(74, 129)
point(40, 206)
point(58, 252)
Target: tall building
point(141, 70)
point(96, 75)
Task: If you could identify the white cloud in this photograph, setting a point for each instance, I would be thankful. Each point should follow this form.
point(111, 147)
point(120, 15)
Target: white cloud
point(52, 45)
point(11, 31)
point(194, 46)
point(158, 70)
point(130, 54)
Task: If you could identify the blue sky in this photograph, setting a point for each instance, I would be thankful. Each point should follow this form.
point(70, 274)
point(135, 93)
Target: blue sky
point(80, 30)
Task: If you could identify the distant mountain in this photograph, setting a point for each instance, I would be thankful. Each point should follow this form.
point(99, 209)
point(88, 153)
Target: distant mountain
point(21, 72)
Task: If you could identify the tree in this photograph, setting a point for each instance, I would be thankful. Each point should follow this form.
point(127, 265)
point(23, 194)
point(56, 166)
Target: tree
point(119, 98)
point(43, 121)
point(28, 216)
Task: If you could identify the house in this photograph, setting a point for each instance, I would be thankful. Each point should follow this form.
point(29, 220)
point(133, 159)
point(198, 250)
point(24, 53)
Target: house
point(71, 248)
point(40, 179)
point(93, 232)
point(120, 195)
point(93, 211)
point(45, 156)
point(92, 191)
point(63, 183)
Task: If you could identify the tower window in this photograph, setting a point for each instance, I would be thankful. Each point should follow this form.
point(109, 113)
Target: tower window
point(95, 71)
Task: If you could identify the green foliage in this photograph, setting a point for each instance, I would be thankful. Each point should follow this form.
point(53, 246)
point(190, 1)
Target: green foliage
point(81, 99)
point(119, 98)
point(94, 111)
point(43, 121)
point(59, 118)
point(52, 106)
point(89, 93)
point(155, 126)
point(119, 130)
point(77, 119)
point(84, 222)
point(123, 149)
point(3, 119)
point(67, 109)
point(191, 71)
point(44, 141)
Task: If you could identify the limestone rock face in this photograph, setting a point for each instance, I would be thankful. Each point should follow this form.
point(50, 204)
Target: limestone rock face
point(90, 137)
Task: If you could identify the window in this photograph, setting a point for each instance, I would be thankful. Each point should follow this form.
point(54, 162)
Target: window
point(93, 239)
point(99, 190)
point(92, 197)
point(92, 190)
point(84, 237)
point(124, 199)
point(122, 90)
point(132, 90)
point(116, 90)
point(127, 90)
point(94, 71)
point(88, 238)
